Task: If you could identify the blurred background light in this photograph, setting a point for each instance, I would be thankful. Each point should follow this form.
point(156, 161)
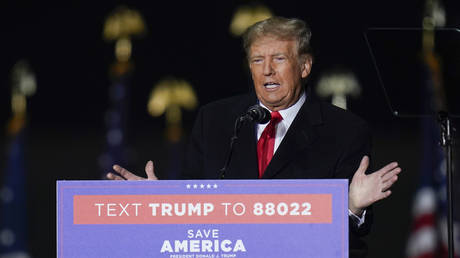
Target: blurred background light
point(247, 15)
point(123, 23)
point(167, 97)
point(338, 85)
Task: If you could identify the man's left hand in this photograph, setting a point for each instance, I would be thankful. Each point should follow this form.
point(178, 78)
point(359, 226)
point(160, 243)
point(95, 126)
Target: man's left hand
point(368, 189)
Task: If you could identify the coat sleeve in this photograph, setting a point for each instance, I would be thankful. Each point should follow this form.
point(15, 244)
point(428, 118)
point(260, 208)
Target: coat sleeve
point(359, 145)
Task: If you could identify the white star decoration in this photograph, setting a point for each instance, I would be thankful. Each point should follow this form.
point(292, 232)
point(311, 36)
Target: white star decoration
point(201, 186)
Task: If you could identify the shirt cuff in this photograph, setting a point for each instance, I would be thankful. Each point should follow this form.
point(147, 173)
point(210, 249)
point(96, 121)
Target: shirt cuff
point(358, 220)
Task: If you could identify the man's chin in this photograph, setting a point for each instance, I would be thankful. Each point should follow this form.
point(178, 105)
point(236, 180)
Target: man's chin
point(273, 105)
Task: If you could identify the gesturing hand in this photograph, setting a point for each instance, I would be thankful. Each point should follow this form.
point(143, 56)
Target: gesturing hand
point(368, 189)
point(126, 175)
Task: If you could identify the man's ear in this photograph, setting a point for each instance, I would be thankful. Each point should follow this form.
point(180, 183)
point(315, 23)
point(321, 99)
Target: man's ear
point(307, 62)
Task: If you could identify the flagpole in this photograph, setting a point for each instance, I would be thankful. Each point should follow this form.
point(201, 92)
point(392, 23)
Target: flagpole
point(13, 208)
point(120, 27)
point(430, 22)
point(446, 143)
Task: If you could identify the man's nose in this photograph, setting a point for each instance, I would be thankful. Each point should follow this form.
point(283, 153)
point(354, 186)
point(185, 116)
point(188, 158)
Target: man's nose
point(268, 68)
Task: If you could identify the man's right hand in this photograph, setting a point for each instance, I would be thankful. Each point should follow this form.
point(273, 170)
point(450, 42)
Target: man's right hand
point(124, 174)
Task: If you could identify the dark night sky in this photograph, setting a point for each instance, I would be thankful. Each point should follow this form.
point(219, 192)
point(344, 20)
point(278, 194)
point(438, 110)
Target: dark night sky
point(190, 40)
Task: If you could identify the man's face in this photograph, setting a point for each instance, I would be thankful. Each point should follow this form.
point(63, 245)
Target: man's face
point(277, 71)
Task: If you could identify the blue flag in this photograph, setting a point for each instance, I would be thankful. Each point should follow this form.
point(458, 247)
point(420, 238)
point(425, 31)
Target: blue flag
point(13, 208)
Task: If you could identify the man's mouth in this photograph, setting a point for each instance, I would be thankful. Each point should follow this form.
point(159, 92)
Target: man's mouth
point(271, 85)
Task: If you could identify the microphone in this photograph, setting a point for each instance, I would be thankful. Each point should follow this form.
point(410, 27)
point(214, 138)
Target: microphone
point(256, 114)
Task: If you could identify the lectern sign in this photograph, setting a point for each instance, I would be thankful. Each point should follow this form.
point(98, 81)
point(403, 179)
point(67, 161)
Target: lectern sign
point(226, 218)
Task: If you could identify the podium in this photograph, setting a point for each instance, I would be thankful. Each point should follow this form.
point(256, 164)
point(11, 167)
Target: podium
point(203, 218)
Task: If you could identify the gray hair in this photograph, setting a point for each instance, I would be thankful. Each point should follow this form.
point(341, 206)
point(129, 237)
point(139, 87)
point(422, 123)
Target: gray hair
point(280, 28)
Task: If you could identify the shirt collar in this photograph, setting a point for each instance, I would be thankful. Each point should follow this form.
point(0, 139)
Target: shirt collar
point(290, 113)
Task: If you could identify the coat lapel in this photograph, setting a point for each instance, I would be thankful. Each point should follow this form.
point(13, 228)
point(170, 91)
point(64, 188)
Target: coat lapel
point(299, 136)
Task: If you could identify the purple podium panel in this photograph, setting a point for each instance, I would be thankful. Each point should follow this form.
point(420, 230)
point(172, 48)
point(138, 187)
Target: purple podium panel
point(207, 218)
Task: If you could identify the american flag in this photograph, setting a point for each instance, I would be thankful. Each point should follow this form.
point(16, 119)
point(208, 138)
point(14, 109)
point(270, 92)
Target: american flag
point(428, 237)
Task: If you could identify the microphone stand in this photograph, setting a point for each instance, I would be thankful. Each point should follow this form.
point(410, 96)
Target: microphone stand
point(238, 124)
point(446, 143)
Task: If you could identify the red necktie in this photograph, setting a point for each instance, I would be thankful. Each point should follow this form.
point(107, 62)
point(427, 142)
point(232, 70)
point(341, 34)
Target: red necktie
point(266, 143)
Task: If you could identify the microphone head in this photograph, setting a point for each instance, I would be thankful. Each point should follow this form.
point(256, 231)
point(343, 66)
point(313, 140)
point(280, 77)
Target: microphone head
point(258, 114)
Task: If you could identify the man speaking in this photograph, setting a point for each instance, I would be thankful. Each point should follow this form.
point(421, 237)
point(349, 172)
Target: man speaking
point(304, 139)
